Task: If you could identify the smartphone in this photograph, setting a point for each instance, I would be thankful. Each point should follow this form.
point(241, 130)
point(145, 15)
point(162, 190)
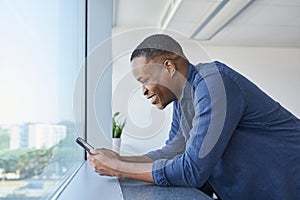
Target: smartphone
point(84, 144)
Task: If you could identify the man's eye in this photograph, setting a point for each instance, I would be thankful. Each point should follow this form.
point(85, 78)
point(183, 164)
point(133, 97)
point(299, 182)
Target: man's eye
point(144, 82)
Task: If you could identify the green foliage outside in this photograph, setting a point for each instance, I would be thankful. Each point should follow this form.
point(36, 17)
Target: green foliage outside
point(4, 138)
point(29, 162)
point(4, 141)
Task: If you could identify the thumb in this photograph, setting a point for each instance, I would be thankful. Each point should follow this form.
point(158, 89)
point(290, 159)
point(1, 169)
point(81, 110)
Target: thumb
point(93, 152)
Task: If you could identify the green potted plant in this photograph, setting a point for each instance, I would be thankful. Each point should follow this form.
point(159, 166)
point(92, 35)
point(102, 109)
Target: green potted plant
point(117, 129)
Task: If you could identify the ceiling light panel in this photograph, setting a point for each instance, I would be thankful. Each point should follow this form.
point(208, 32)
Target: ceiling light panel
point(189, 14)
point(264, 23)
point(139, 12)
point(224, 14)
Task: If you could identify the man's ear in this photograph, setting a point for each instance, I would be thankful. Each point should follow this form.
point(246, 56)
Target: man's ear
point(170, 67)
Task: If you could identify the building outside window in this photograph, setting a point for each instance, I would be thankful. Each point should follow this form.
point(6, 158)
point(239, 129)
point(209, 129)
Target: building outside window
point(41, 95)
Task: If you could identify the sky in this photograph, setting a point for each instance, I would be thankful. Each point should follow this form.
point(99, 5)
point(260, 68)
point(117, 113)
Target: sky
point(35, 77)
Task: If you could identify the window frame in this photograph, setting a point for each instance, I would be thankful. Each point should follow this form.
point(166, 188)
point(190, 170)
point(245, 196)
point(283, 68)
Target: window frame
point(95, 34)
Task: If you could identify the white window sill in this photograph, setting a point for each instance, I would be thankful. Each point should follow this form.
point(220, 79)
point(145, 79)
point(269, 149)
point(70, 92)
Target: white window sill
point(86, 184)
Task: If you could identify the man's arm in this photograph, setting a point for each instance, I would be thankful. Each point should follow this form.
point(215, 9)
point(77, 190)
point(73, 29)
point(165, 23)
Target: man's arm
point(138, 171)
point(107, 162)
point(176, 143)
point(137, 159)
point(219, 104)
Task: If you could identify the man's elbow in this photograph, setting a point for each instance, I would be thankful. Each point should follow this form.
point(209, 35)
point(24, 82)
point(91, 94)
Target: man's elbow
point(194, 176)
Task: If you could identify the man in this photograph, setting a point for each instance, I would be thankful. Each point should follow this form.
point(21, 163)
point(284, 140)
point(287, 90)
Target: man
point(225, 131)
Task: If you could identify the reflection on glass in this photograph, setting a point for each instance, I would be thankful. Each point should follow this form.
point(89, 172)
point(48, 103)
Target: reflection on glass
point(42, 50)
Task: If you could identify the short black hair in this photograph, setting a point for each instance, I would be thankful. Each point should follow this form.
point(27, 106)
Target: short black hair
point(157, 45)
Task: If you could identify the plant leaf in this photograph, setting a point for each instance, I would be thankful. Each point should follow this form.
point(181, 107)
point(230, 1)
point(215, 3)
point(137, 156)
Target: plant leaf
point(117, 126)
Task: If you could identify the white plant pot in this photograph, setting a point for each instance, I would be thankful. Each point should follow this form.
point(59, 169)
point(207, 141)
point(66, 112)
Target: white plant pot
point(116, 144)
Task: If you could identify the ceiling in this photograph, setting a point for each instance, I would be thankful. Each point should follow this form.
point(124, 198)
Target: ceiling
point(217, 22)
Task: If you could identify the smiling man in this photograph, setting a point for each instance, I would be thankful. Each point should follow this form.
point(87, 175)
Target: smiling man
point(162, 81)
point(226, 133)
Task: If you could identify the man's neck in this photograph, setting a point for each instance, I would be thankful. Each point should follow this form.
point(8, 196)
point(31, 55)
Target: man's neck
point(183, 69)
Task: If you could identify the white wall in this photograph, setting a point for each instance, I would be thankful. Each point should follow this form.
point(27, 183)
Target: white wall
point(275, 70)
point(146, 126)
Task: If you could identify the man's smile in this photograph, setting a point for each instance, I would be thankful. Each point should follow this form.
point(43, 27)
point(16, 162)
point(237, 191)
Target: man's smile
point(153, 98)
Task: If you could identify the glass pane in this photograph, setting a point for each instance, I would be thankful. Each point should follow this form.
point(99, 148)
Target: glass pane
point(42, 95)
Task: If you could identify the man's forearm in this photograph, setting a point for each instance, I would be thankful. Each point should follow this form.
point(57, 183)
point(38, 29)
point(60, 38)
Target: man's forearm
point(136, 159)
point(107, 162)
point(134, 170)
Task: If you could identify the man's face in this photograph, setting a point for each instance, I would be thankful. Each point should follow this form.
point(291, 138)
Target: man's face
point(157, 82)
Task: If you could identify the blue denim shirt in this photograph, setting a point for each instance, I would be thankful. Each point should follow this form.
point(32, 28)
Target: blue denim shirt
point(229, 133)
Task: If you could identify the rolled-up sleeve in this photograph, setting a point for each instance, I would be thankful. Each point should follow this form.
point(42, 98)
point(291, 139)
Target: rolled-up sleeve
point(218, 109)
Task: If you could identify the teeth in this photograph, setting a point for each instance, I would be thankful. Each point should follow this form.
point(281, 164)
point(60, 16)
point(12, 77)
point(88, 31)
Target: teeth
point(152, 99)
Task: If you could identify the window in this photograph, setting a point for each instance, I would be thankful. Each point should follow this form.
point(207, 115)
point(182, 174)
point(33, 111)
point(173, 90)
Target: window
point(42, 95)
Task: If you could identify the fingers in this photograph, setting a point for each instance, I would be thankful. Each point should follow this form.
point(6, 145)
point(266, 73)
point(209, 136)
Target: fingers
point(92, 162)
point(96, 165)
point(95, 162)
point(103, 172)
point(96, 151)
point(91, 159)
point(103, 161)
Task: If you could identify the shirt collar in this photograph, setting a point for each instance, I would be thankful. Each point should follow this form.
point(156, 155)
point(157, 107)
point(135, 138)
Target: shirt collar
point(187, 87)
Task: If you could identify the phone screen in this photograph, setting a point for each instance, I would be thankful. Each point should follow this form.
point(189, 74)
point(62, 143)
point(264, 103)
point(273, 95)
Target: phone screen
point(84, 144)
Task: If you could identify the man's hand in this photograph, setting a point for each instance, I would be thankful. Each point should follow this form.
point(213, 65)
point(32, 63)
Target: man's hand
point(105, 162)
point(109, 163)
